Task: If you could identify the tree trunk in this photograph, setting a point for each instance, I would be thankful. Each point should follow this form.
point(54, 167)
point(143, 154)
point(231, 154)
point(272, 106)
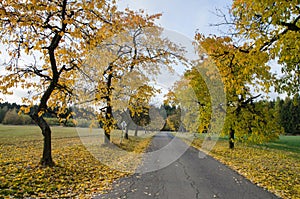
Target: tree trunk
point(136, 130)
point(126, 132)
point(108, 114)
point(231, 139)
point(108, 124)
point(106, 137)
point(46, 131)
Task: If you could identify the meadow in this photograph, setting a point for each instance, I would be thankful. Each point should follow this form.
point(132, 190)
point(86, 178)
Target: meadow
point(78, 172)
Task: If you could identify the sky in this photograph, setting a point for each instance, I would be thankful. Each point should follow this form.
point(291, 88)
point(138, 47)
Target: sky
point(183, 16)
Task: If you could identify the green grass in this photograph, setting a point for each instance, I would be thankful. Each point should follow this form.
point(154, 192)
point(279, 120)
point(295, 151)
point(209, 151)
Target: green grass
point(28, 133)
point(284, 143)
point(287, 143)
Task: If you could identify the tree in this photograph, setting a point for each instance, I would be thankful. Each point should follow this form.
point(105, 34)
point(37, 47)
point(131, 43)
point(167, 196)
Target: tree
point(288, 114)
point(157, 121)
point(261, 31)
point(173, 122)
point(200, 95)
point(240, 68)
point(136, 113)
point(139, 106)
point(272, 27)
point(132, 58)
point(278, 111)
point(295, 111)
point(55, 37)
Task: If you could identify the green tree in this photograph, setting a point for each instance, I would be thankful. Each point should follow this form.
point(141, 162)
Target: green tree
point(278, 107)
point(296, 114)
point(286, 115)
point(289, 114)
point(240, 68)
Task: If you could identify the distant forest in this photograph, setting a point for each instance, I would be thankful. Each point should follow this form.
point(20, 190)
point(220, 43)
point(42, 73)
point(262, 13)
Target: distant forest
point(287, 114)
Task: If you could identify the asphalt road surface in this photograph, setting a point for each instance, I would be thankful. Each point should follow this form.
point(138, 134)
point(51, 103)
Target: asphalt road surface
point(187, 177)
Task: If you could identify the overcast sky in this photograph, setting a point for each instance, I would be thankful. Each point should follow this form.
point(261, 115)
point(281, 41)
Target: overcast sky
point(183, 16)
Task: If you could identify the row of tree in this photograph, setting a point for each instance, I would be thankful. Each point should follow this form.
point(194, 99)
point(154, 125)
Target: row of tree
point(88, 54)
point(286, 112)
point(94, 56)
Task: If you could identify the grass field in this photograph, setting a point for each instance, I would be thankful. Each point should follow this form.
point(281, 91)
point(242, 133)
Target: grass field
point(78, 171)
point(286, 143)
point(274, 166)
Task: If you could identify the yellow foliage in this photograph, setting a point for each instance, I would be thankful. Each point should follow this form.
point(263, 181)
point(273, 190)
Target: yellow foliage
point(77, 174)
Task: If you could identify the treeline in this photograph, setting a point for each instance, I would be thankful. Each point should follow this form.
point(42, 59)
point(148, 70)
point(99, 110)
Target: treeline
point(9, 115)
point(169, 115)
point(288, 113)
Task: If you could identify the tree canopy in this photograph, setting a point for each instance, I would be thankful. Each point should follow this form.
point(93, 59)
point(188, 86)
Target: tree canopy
point(272, 27)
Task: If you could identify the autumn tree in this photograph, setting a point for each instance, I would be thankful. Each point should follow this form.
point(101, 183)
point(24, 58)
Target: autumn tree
point(136, 111)
point(3, 111)
point(139, 106)
point(200, 94)
point(157, 120)
point(173, 121)
point(259, 32)
point(55, 38)
point(272, 27)
point(242, 69)
point(132, 58)
point(12, 117)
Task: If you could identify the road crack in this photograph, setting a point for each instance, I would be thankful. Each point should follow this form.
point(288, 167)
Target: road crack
point(189, 178)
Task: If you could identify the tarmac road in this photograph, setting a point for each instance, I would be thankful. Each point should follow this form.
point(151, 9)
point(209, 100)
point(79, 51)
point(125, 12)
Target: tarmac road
point(187, 177)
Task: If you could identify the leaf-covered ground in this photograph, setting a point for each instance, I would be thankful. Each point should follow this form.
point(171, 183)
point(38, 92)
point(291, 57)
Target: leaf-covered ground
point(275, 166)
point(77, 172)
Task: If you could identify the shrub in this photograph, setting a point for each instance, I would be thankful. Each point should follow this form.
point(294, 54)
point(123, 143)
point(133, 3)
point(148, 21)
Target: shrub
point(12, 117)
point(52, 121)
point(27, 120)
point(83, 123)
point(2, 113)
